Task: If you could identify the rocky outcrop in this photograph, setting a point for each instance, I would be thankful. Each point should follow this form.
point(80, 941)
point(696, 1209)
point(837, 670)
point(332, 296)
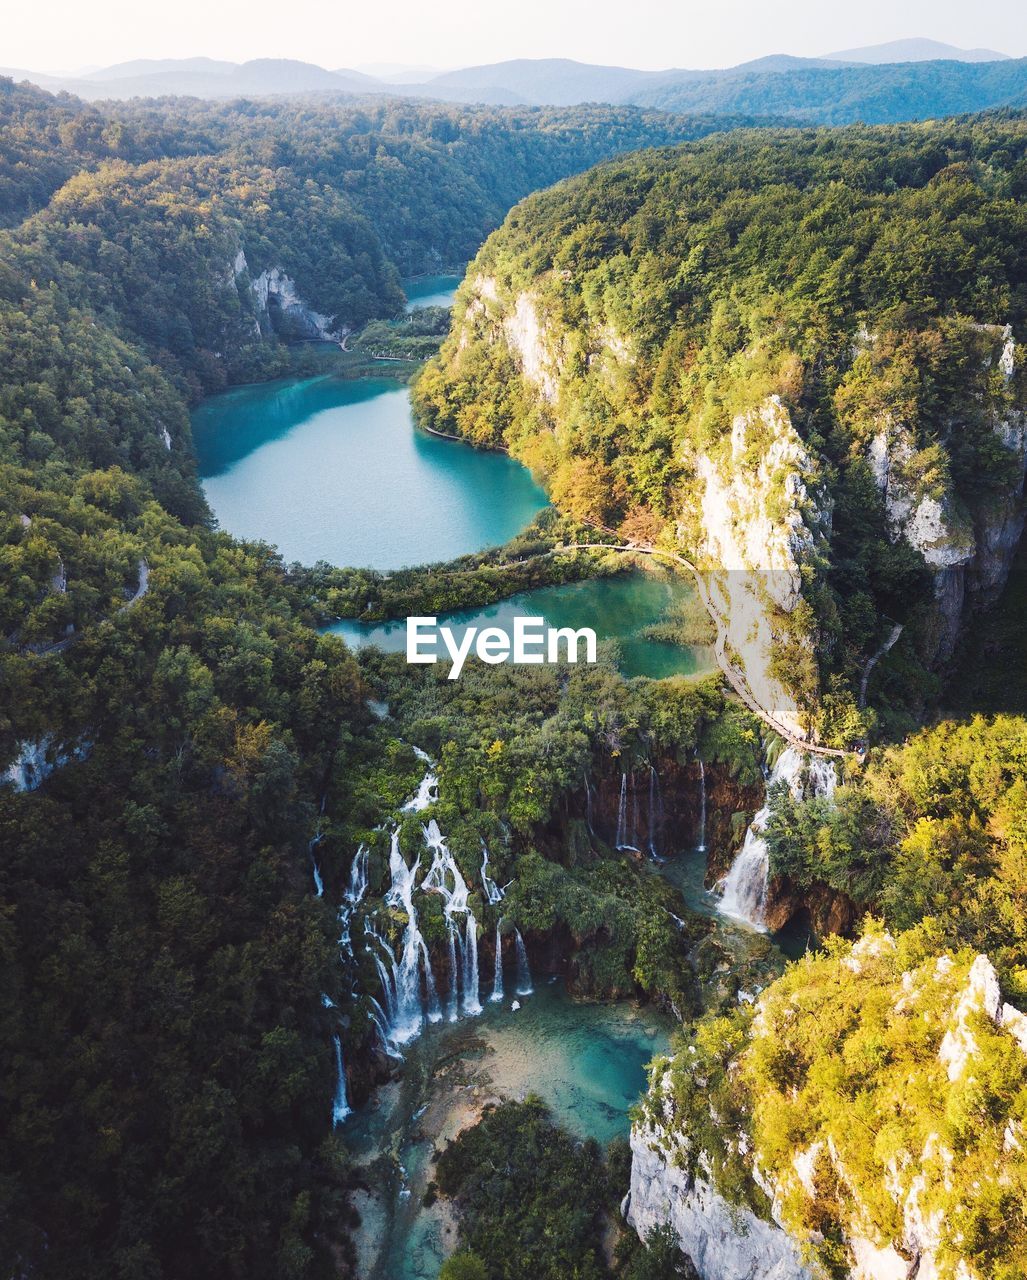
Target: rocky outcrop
point(969, 552)
point(899, 1198)
point(276, 307)
point(284, 311)
point(37, 760)
point(723, 1241)
point(761, 515)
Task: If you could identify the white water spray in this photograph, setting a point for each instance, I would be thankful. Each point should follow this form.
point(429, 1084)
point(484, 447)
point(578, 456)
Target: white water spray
point(524, 987)
point(744, 888)
point(340, 1104)
point(497, 972)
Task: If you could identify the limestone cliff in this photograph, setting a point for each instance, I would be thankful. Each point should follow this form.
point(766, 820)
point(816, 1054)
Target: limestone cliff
point(968, 549)
point(852, 1110)
point(761, 512)
point(277, 307)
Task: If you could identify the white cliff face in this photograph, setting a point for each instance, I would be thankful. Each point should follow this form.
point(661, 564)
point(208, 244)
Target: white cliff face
point(275, 286)
point(755, 535)
point(524, 334)
point(965, 557)
point(518, 325)
point(723, 1241)
point(923, 1176)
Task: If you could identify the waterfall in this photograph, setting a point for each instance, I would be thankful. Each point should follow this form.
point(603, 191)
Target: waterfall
point(354, 894)
point(472, 1004)
point(744, 888)
point(340, 1106)
point(655, 813)
point(410, 1008)
point(588, 806)
point(626, 837)
point(409, 993)
point(493, 893)
point(428, 792)
point(319, 886)
point(454, 976)
point(524, 987)
point(357, 877)
point(497, 972)
point(702, 807)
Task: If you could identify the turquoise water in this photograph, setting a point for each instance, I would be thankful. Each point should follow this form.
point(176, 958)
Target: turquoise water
point(332, 469)
point(430, 291)
point(587, 1061)
point(617, 608)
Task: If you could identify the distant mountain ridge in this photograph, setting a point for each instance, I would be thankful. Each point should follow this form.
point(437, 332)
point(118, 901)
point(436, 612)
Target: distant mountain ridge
point(916, 49)
point(903, 80)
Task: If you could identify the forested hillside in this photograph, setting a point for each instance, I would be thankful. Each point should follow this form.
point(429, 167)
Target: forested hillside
point(791, 356)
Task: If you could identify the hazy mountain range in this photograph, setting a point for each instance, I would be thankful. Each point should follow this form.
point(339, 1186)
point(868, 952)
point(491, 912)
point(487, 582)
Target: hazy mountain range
point(905, 79)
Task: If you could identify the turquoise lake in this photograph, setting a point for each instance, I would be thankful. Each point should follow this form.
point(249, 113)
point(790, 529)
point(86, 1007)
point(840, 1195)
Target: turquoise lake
point(333, 469)
point(430, 291)
point(617, 608)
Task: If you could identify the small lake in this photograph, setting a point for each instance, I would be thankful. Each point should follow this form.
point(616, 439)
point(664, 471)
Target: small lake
point(587, 1062)
point(430, 291)
point(333, 469)
point(618, 608)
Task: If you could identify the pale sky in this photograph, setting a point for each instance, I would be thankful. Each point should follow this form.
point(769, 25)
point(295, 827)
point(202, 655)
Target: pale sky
point(64, 35)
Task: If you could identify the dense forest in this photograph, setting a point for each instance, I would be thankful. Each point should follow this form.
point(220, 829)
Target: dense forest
point(178, 738)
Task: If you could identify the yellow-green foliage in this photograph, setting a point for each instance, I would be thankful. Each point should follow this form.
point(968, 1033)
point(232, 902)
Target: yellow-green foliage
point(840, 1066)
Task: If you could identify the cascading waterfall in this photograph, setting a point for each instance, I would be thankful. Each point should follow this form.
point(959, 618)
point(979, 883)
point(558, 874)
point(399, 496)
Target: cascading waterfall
point(340, 1104)
point(702, 807)
point(354, 894)
point(411, 1008)
point(493, 893)
point(409, 995)
point(357, 877)
point(497, 973)
point(472, 1003)
point(524, 987)
point(444, 878)
point(744, 888)
point(655, 812)
point(428, 792)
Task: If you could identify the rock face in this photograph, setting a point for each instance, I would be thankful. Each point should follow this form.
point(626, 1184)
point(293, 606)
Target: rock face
point(899, 1205)
point(276, 306)
point(761, 514)
point(285, 311)
point(968, 553)
point(723, 1241)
